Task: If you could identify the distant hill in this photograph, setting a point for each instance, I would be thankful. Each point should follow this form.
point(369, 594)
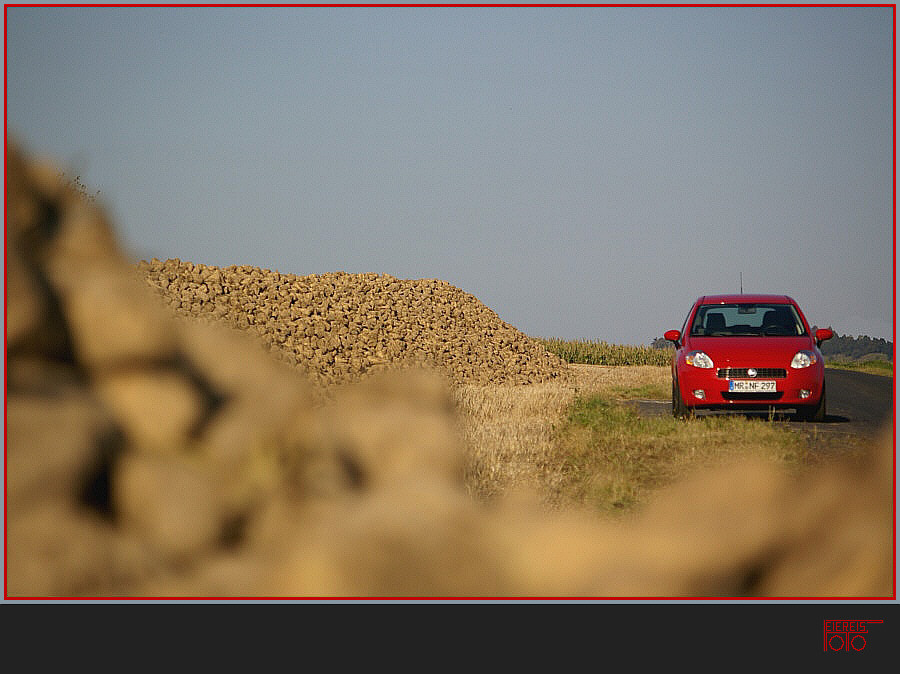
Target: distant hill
point(845, 347)
point(839, 347)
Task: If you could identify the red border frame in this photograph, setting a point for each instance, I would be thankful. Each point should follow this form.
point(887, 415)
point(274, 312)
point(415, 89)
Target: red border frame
point(462, 5)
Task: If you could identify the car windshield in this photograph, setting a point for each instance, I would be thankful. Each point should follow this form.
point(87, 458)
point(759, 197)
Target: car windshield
point(747, 320)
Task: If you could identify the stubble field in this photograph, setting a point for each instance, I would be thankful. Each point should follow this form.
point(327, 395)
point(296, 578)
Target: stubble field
point(578, 444)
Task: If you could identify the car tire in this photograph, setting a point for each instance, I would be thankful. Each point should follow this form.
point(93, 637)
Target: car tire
point(815, 413)
point(680, 410)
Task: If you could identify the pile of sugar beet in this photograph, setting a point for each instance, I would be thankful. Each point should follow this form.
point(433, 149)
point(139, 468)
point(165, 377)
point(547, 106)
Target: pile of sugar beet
point(339, 327)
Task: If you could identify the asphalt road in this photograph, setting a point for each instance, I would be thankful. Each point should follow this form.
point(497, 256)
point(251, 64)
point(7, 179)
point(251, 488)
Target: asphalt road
point(858, 397)
point(859, 404)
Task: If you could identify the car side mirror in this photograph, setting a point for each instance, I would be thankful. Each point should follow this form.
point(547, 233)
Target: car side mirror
point(822, 334)
point(673, 336)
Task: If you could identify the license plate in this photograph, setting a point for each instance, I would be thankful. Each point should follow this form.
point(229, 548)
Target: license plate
point(744, 386)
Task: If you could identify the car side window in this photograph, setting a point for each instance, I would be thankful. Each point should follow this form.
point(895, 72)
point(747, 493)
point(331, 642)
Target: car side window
point(684, 326)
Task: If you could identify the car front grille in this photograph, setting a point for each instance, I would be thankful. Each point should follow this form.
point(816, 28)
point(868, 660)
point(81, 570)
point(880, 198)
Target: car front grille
point(761, 373)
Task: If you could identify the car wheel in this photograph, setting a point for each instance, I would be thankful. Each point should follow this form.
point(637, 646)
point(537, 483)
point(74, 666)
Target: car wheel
point(679, 409)
point(813, 412)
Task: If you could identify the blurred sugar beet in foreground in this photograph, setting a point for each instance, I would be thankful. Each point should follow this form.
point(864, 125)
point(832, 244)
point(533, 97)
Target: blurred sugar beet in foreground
point(154, 454)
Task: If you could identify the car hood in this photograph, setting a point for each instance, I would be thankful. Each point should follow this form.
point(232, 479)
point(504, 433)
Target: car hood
point(750, 351)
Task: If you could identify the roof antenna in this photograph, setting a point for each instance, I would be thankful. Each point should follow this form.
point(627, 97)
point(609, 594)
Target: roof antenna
point(742, 282)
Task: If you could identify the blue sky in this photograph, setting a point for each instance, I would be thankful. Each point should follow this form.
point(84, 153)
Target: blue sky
point(585, 172)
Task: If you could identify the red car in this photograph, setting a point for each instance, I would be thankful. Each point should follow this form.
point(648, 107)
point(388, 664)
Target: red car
point(747, 352)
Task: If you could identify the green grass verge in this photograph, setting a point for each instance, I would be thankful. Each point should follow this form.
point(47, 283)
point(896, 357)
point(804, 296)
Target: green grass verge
point(611, 459)
point(882, 367)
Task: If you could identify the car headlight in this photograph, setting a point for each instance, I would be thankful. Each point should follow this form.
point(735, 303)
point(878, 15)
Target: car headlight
point(803, 359)
point(698, 359)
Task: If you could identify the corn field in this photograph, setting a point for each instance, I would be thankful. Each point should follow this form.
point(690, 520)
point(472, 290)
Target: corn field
point(598, 352)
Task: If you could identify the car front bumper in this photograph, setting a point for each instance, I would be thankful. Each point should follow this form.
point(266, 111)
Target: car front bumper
point(704, 388)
